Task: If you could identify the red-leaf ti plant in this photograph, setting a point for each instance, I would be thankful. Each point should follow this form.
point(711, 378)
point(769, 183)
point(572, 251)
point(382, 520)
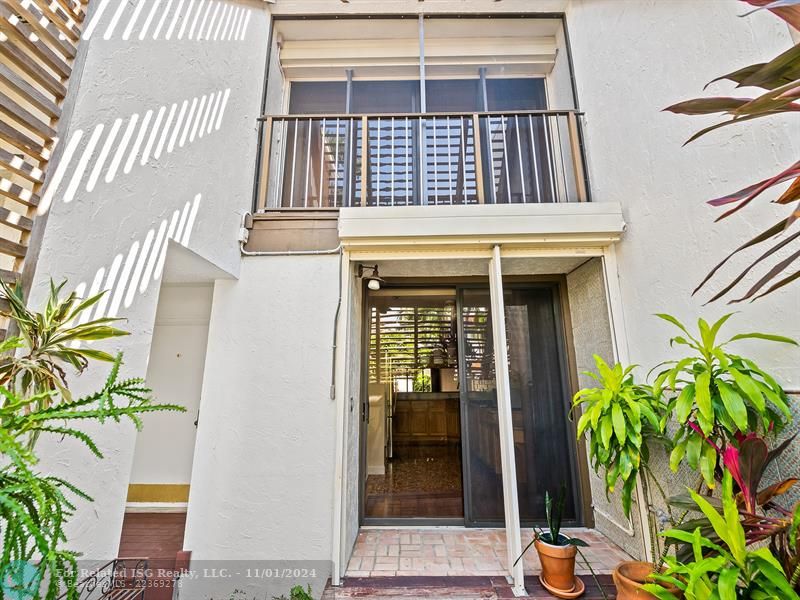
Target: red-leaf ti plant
point(780, 81)
point(746, 458)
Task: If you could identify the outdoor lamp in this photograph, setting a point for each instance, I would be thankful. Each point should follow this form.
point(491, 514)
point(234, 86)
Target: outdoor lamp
point(374, 281)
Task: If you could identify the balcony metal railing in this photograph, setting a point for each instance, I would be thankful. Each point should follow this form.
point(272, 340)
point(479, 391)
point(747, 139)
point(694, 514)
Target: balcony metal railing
point(334, 161)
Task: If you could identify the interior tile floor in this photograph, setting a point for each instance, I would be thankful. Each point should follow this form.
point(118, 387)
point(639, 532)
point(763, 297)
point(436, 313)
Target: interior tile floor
point(420, 481)
point(458, 551)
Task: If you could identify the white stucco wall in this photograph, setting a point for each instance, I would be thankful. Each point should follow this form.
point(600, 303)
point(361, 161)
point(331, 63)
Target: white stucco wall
point(165, 447)
point(110, 218)
point(632, 59)
point(263, 472)
point(263, 478)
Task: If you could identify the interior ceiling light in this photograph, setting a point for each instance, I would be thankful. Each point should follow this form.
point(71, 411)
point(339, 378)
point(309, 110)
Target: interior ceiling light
point(374, 280)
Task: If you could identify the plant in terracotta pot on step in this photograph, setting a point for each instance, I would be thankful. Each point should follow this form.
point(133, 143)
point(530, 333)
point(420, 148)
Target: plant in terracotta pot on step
point(556, 551)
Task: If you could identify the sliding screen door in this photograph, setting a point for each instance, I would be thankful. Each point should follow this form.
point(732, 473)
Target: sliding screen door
point(543, 445)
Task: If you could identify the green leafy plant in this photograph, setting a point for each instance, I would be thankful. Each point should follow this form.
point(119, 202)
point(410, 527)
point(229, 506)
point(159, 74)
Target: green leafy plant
point(35, 400)
point(620, 416)
point(51, 341)
point(761, 516)
point(554, 514)
point(724, 571)
point(779, 80)
point(717, 395)
point(297, 593)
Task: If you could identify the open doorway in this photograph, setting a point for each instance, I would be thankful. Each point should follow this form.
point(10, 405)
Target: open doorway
point(413, 429)
point(430, 427)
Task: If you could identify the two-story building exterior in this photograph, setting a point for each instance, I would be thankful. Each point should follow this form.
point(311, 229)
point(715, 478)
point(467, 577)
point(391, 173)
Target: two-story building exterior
point(372, 246)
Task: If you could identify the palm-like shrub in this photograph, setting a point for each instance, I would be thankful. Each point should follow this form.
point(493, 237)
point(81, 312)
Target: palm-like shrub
point(50, 341)
point(620, 416)
point(34, 400)
point(722, 568)
point(717, 396)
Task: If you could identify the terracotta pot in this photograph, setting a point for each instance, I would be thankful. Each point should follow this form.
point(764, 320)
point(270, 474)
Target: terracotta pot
point(558, 565)
point(629, 577)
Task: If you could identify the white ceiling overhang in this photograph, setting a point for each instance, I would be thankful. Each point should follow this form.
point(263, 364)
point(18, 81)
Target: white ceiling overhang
point(390, 49)
point(538, 229)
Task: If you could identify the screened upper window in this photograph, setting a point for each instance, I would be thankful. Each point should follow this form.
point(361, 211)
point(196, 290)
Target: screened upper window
point(397, 97)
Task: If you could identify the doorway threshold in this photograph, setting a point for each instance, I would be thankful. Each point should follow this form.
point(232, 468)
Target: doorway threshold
point(461, 552)
point(455, 588)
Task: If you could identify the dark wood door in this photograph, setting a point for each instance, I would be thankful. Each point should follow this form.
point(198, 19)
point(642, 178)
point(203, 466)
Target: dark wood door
point(157, 537)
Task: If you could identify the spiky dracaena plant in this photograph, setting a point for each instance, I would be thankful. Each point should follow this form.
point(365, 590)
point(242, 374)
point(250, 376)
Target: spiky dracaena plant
point(717, 396)
point(778, 82)
point(51, 341)
point(34, 400)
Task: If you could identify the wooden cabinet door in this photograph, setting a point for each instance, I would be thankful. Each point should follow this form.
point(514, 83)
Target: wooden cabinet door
point(437, 420)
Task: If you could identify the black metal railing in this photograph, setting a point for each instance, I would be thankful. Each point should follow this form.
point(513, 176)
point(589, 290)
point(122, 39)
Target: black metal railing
point(334, 161)
point(119, 579)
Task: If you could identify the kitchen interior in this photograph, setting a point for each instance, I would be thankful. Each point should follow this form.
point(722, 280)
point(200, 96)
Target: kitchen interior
point(413, 454)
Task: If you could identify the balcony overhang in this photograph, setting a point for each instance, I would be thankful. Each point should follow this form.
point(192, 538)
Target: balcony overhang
point(475, 229)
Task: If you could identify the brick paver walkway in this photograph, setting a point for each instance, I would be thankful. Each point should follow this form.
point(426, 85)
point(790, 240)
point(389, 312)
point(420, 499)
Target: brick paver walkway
point(461, 552)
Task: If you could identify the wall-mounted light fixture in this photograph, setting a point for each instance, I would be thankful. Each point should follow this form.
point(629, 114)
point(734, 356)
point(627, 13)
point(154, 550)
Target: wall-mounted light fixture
point(374, 280)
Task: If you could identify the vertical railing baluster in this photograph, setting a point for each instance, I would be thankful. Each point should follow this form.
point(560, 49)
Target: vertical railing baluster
point(561, 161)
point(505, 158)
point(463, 138)
point(491, 158)
point(549, 150)
point(350, 176)
point(336, 167)
point(577, 157)
point(308, 164)
point(423, 162)
point(476, 142)
point(519, 154)
point(266, 159)
point(321, 160)
point(294, 162)
point(378, 178)
point(535, 160)
point(435, 165)
point(391, 149)
point(449, 161)
point(408, 171)
point(364, 159)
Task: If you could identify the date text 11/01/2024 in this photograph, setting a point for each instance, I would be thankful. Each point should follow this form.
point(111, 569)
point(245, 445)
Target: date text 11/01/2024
point(248, 573)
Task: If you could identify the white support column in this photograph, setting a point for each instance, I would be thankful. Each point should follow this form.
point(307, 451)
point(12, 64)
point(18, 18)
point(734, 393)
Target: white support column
point(507, 459)
point(621, 354)
point(340, 397)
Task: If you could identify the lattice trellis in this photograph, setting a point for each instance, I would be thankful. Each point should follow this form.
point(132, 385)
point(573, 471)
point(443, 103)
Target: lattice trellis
point(38, 44)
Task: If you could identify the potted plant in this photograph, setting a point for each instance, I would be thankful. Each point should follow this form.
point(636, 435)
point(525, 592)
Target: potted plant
point(556, 551)
point(620, 417)
point(722, 567)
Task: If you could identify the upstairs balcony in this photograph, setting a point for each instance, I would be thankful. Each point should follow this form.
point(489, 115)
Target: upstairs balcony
point(420, 123)
point(333, 161)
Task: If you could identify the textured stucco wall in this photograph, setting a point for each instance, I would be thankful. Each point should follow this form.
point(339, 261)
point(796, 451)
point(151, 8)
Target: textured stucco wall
point(165, 447)
point(263, 479)
point(632, 59)
point(116, 197)
point(591, 334)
